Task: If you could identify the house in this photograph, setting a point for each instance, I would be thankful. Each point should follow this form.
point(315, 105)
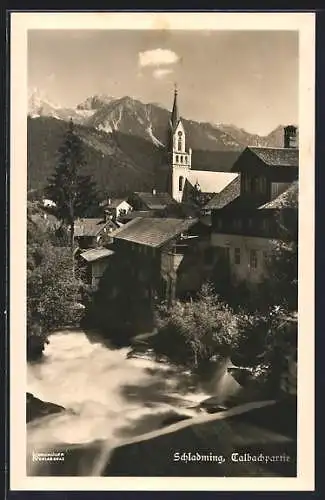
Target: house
point(93, 232)
point(48, 203)
point(116, 207)
point(168, 256)
point(133, 214)
point(94, 262)
point(154, 201)
point(245, 215)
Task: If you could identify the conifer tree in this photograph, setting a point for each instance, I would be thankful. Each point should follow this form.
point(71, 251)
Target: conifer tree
point(73, 192)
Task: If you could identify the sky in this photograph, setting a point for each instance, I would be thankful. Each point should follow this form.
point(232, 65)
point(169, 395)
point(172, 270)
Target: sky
point(245, 78)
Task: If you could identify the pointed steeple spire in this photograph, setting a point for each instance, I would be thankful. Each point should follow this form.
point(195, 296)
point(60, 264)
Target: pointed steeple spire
point(175, 114)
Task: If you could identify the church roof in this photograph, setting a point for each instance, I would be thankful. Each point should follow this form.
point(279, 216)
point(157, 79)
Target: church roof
point(210, 182)
point(175, 113)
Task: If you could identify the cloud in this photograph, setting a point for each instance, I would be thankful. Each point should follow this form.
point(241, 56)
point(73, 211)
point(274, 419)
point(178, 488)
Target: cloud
point(157, 57)
point(160, 73)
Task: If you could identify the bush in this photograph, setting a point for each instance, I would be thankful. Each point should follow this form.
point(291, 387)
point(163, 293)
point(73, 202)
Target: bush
point(193, 332)
point(266, 342)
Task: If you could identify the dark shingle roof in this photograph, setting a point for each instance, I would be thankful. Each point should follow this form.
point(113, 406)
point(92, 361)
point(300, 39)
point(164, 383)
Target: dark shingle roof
point(226, 196)
point(277, 157)
point(152, 232)
point(133, 214)
point(155, 201)
point(287, 199)
point(96, 254)
point(91, 226)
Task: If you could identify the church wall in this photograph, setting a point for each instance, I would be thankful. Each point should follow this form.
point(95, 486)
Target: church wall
point(178, 173)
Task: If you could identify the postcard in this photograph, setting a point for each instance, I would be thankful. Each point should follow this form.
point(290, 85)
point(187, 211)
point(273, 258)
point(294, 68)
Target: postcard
point(161, 192)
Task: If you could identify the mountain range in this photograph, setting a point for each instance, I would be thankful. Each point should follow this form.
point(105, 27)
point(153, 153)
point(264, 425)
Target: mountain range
point(124, 141)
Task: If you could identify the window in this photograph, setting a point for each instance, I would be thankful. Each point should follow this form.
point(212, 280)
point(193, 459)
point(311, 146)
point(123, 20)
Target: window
point(180, 183)
point(253, 259)
point(179, 144)
point(237, 256)
point(262, 184)
point(209, 255)
point(182, 159)
point(265, 258)
point(265, 224)
point(185, 159)
point(254, 184)
point(218, 223)
point(245, 182)
point(237, 223)
point(177, 158)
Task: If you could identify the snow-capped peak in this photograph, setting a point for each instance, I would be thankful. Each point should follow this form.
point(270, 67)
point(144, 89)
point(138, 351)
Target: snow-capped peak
point(39, 104)
point(95, 102)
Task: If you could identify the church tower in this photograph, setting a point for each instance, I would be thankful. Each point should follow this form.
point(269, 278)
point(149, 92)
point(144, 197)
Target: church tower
point(179, 158)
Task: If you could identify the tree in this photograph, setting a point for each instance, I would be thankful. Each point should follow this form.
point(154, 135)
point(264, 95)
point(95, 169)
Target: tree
point(52, 287)
point(267, 343)
point(73, 192)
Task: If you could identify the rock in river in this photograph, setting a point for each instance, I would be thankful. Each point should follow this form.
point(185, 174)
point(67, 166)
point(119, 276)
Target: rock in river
point(36, 408)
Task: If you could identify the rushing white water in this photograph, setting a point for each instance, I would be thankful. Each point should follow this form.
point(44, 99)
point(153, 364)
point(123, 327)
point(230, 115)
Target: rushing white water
point(111, 397)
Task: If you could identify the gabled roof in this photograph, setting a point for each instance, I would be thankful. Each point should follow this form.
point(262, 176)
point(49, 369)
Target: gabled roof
point(156, 201)
point(114, 202)
point(153, 232)
point(274, 157)
point(91, 226)
point(226, 196)
point(287, 199)
point(96, 254)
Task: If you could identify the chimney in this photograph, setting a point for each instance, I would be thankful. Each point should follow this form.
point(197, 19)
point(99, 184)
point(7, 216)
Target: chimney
point(290, 137)
point(154, 192)
point(108, 216)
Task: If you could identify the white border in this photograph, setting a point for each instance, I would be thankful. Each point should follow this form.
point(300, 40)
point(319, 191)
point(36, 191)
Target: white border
point(20, 24)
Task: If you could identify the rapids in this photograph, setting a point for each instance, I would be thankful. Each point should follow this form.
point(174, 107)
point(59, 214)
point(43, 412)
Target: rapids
point(111, 397)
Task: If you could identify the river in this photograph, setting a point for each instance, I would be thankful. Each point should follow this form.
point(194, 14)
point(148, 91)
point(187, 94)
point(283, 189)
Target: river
point(111, 397)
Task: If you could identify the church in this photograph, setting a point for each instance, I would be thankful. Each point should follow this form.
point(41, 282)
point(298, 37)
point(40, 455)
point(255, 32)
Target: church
point(184, 181)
